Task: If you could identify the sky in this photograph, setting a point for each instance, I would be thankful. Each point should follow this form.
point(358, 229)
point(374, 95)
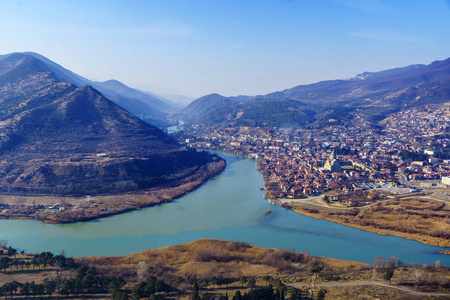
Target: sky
point(230, 47)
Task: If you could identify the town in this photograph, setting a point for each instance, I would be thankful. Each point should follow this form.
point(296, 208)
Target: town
point(409, 146)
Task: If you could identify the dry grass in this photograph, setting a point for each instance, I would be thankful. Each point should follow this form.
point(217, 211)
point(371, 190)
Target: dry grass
point(206, 258)
point(415, 218)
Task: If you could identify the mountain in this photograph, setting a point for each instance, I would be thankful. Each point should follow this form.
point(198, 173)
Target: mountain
point(114, 89)
point(375, 87)
point(390, 72)
point(138, 103)
point(58, 138)
point(375, 94)
point(178, 101)
point(217, 110)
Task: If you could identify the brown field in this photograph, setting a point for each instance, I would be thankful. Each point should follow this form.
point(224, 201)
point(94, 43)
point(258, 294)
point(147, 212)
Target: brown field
point(205, 259)
point(33, 273)
point(419, 218)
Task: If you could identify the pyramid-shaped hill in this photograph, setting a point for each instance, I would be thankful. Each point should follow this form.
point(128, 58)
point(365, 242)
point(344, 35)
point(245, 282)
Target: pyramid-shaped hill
point(56, 138)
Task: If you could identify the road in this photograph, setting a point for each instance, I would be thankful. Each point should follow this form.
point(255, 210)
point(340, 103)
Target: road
point(355, 283)
point(405, 182)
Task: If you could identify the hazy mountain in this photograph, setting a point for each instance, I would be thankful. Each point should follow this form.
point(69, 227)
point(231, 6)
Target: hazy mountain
point(113, 88)
point(372, 93)
point(136, 102)
point(390, 72)
point(178, 101)
point(58, 138)
point(375, 87)
point(217, 110)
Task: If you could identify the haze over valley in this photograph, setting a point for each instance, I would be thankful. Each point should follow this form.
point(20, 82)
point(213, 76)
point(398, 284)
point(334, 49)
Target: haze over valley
point(188, 149)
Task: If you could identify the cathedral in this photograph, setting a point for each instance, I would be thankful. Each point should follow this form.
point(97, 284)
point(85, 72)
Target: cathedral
point(333, 164)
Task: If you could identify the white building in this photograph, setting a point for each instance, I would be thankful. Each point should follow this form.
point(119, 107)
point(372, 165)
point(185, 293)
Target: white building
point(446, 180)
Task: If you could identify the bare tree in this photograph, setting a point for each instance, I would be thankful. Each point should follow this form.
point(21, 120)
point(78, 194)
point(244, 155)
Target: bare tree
point(19, 201)
point(417, 274)
point(141, 269)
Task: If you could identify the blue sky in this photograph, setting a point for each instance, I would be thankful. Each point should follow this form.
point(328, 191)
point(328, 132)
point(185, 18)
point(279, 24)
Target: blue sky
point(232, 47)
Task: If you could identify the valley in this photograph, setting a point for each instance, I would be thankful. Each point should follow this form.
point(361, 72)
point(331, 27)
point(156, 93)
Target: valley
point(365, 176)
point(69, 154)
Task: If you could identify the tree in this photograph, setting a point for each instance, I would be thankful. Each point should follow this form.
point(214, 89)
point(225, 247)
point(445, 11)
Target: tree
point(417, 274)
point(321, 294)
point(25, 290)
point(11, 251)
point(251, 282)
point(237, 296)
point(178, 281)
point(4, 262)
point(316, 270)
point(138, 291)
point(295, 294)
point(243, 280)
point(388, 275)
point(49, 286)
point(119, 295)
point(195, 294)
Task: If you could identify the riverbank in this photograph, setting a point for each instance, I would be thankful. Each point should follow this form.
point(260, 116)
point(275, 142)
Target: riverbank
point(59, 209)
point(410, 217)
point(220, 268)
point(423, 219)
point(223, 267)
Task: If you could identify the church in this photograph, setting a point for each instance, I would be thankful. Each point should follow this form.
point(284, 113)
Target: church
point(332, 164)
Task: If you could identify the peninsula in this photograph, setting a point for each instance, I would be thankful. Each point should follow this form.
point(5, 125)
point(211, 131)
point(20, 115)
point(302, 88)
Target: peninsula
point(61, 145)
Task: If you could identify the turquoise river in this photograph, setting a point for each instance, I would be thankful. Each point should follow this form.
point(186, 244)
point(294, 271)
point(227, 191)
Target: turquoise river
point(229, 206)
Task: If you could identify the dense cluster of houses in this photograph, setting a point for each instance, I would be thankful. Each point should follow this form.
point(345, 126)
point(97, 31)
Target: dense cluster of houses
point(301, 162)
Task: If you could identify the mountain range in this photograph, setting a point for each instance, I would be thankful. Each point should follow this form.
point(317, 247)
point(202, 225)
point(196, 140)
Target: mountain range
point(145, 105)
point(375, 94)
point(59, 138)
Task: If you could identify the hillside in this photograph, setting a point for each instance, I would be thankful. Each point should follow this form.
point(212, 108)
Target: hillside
point(370, 93)
point(216, 269)
point(57, 138)
point(217, 110)
point(144, 105)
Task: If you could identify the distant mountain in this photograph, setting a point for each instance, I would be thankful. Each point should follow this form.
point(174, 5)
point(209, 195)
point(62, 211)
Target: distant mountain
point(371, 93)
point(390, 72)
point(138, 103)
point(58, 138)
point(114, 88)
point(380, 86)
point(217, 110)
point(179, 101)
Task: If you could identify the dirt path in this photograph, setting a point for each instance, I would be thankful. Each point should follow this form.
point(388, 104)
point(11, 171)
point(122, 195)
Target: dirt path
point(355, 283)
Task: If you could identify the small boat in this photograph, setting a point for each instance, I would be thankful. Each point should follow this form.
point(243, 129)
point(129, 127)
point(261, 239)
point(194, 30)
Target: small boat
point(268, 213)
point(262, 189)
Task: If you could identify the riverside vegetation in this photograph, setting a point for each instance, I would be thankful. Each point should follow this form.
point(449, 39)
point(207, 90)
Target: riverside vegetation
point(417, 216)
point(215, 269)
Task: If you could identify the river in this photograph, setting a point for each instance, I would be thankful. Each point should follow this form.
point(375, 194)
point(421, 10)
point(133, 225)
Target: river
point(229, 206)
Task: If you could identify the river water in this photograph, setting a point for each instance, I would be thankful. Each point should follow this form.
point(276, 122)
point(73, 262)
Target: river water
point(229, 206)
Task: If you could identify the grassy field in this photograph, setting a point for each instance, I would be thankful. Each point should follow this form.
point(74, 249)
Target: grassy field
point(223, 267)
point(416, 217)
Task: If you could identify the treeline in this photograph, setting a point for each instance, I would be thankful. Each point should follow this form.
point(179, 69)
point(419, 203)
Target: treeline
point(37, 261)
point(408, 155)
point(86, 281)
point(284, 112)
